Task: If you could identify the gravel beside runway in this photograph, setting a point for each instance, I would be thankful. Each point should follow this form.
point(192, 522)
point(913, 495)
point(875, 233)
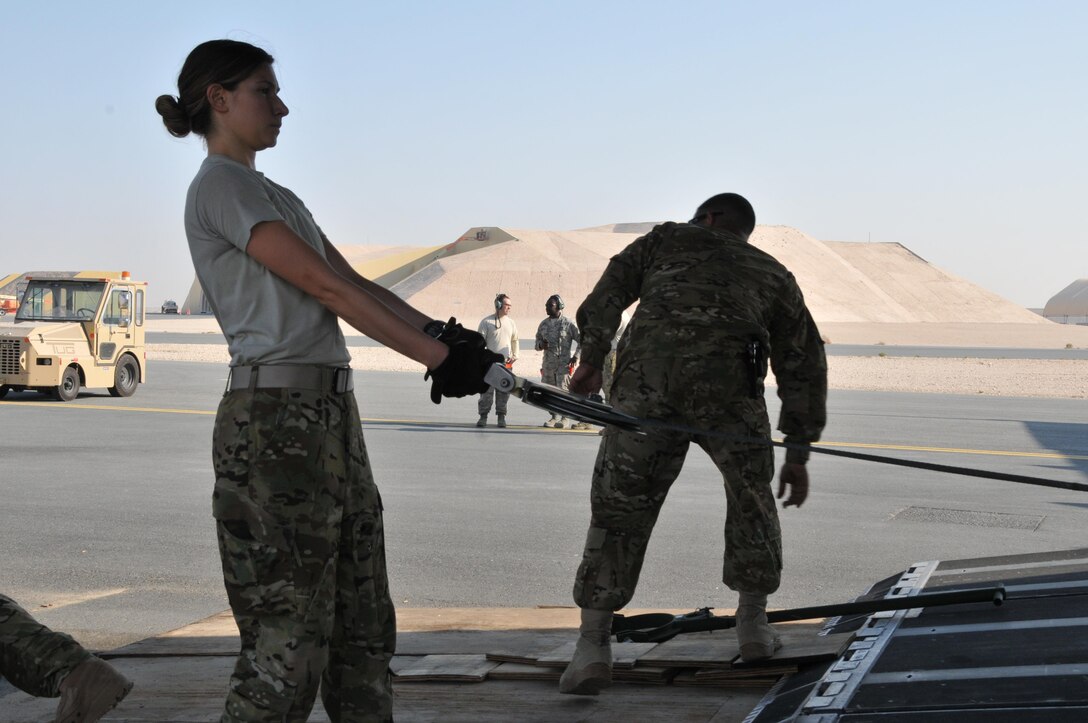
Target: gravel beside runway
point(1043, 378)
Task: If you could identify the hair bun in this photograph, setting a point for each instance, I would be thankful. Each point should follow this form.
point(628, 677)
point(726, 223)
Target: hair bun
point(173, 115)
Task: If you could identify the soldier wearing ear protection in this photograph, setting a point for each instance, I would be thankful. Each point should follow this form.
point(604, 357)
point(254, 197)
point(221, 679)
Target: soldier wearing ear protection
point(501, 336)
point(557, 336)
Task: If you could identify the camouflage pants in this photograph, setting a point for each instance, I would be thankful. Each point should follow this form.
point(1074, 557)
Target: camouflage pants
point(299, 521)
point(555, 373)
point(34, 658)
point(633, 474)
point(500, 399)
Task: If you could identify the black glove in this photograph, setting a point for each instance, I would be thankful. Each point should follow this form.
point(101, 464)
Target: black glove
point(462, 373)
point(451, 332)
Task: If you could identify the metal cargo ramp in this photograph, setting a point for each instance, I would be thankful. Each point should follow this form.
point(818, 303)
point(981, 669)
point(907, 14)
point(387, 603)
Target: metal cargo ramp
point(1025, 660)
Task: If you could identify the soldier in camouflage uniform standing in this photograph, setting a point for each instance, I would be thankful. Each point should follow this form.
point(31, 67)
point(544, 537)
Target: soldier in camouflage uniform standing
point(557, 336)
point(711, 309)
point(298, 515)
point(45, 663)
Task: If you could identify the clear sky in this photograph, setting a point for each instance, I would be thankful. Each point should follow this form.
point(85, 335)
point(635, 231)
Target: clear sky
point(957, 128)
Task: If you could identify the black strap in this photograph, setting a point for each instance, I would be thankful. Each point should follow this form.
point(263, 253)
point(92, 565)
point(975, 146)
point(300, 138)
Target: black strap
point(659, 627)
point(880, 459)
point(591, 410)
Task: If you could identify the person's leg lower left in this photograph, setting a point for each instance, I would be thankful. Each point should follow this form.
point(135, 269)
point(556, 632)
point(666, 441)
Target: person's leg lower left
point(34, 658)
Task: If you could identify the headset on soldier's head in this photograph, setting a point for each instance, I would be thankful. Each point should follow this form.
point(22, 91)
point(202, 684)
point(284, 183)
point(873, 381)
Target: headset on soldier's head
point(499, 298)
point(558, 301)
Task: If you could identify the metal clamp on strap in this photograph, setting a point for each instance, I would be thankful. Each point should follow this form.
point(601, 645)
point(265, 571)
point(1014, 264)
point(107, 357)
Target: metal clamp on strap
point(286, 376)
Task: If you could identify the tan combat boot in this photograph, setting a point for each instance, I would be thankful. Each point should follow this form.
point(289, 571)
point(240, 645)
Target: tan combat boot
point(90, 691)
point(590, 669)
point(756, 637)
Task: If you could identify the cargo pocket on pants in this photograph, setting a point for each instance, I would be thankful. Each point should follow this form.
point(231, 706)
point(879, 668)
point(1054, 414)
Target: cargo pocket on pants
point(258, 576)
point(365, 605)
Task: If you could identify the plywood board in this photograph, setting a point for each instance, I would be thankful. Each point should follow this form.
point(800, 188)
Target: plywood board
point(460, 668)
point(481, 642)
point(166, 689)
point(803, 650)
point(694, 650)
point(767, 671)
point(624, 655)
point(400, 662)
point(501, 701)
point(522, 671)
point(511, 656)
point(690, 679)
point(193, 689)
point(652, 675)
point(719, 649)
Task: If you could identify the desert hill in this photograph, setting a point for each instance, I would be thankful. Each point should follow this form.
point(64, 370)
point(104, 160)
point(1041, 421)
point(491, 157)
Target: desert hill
point(843, 282)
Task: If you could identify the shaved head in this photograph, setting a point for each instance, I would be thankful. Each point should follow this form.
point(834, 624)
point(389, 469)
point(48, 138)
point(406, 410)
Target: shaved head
point(727, 211)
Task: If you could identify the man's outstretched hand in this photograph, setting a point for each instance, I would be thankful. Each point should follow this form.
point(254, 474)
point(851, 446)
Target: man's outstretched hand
point(794, 476)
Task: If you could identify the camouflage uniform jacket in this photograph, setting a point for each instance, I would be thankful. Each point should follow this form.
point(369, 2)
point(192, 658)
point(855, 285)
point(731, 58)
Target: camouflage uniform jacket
point(707, 293)
point(561, 336)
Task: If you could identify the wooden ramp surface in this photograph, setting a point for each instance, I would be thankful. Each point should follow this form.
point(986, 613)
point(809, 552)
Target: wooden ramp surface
point(182, 675)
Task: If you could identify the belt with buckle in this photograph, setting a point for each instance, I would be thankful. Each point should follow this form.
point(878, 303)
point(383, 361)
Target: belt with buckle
point(288, 376)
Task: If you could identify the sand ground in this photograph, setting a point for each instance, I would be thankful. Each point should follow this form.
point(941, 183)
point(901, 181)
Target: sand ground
point(1045, 378)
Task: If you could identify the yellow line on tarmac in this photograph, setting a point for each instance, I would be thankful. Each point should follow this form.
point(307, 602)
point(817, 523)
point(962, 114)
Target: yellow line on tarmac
point(953, 450)
point(59, 405)
point(491, 427)
point(373, 420)
point(415, 422)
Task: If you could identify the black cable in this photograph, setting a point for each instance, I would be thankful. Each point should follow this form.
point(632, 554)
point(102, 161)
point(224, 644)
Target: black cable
point(880, 459)
point(591, 410)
